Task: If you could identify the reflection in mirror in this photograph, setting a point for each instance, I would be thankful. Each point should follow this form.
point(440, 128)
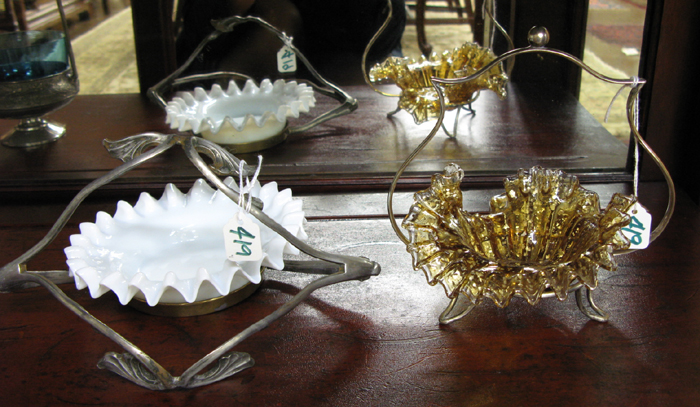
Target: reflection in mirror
point(447, 25)
point(104, 50)
point(605, 53)
point(613, 43)
point(332, 36)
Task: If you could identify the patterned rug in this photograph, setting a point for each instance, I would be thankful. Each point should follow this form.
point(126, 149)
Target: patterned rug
point(105, 57)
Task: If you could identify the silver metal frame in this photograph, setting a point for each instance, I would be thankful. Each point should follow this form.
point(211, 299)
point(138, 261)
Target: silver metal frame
point(347, 105)
point(135, 365)
point(538, 38)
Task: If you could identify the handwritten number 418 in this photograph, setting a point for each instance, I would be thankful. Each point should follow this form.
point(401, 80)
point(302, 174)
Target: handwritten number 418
point(635, 228)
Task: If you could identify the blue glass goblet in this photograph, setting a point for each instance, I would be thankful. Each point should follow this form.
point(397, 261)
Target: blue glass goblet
point(37, 76)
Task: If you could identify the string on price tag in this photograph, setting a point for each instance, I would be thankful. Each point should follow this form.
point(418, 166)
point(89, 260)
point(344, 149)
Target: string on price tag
point(242, 238)
point(638, 232)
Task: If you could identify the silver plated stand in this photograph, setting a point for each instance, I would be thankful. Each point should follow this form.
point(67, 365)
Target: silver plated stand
point(538, 37)
point(135, 365)
point(347, 105)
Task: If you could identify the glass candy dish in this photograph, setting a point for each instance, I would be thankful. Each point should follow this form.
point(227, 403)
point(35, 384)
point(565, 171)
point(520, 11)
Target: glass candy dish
point(176, 218)
point(172, 250)
point(37, 76)
point(545, 233)
point(545, 236)
point(418, 96)
point(250, 119)
point(255, 118)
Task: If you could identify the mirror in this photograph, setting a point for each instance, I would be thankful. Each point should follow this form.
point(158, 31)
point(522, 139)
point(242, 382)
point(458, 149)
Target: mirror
point(606, 53)
point(613, 46)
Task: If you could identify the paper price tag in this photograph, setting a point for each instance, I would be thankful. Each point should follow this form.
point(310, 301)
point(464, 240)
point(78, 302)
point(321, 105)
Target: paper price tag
point(639, 230)
point(286, 60)
point(242, 239)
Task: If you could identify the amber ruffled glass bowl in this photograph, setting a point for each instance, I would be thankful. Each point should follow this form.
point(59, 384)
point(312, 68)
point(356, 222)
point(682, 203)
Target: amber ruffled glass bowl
point(545, 233)
point(418, 96)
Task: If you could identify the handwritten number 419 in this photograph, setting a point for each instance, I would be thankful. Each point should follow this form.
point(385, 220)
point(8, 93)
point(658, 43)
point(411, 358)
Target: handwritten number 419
point(245, 245)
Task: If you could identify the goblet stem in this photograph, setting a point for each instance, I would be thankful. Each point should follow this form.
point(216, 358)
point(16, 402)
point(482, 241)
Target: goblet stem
point(33, 131)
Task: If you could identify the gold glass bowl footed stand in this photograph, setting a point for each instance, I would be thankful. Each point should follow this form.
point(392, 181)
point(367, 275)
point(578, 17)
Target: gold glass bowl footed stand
point(414, 77)
point(545, 236)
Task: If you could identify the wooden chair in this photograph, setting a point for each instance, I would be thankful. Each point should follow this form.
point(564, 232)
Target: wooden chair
point(45, 15)
point(8, 17)
point(465, 14)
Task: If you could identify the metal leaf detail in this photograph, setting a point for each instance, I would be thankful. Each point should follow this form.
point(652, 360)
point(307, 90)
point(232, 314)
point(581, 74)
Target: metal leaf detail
point(222, 162)
point(225, 366)
point(130, 368)
point(131, 147)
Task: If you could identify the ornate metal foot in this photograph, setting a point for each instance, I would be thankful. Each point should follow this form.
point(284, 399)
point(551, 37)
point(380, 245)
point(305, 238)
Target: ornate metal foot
point(593, 311)
point(130, 368)
point(466, 307)
point(393, 112)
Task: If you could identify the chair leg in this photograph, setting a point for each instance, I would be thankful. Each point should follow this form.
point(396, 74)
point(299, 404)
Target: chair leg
point(423, 44)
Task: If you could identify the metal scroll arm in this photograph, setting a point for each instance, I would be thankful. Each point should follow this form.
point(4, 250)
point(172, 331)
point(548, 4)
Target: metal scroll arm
point(347, 105)
point(66, 39)
point(136, 365)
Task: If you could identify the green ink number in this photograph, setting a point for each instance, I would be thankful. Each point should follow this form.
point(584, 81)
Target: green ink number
point(245, 250)
point(241, 232)
point(245, 246)
point(634, 228)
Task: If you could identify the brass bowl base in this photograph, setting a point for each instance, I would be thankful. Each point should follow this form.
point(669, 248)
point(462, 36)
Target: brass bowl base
point(196, 308)
point(254, 146)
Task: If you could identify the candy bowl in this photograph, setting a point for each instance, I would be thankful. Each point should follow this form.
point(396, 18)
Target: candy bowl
point(245, 120)
point(418, 96)
point(168, 256)
point(544, 236)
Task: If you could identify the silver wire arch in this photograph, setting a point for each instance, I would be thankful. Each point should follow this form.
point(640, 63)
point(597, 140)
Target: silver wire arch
point(538, 38)
point(539, 47)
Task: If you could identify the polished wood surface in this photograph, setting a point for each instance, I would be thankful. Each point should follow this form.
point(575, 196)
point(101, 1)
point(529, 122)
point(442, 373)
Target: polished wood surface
point(376, 342)
point(358, 151)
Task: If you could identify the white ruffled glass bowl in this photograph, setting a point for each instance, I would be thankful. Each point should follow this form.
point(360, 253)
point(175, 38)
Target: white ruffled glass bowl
point(250, 119)
point(172, 251)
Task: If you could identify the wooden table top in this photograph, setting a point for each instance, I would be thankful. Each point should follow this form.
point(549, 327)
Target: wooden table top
point(376, 342)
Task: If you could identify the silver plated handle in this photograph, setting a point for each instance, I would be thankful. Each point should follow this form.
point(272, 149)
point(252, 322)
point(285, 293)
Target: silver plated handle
point(538, 38)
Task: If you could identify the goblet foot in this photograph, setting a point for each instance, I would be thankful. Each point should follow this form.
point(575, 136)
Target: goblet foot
point(33, 132)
